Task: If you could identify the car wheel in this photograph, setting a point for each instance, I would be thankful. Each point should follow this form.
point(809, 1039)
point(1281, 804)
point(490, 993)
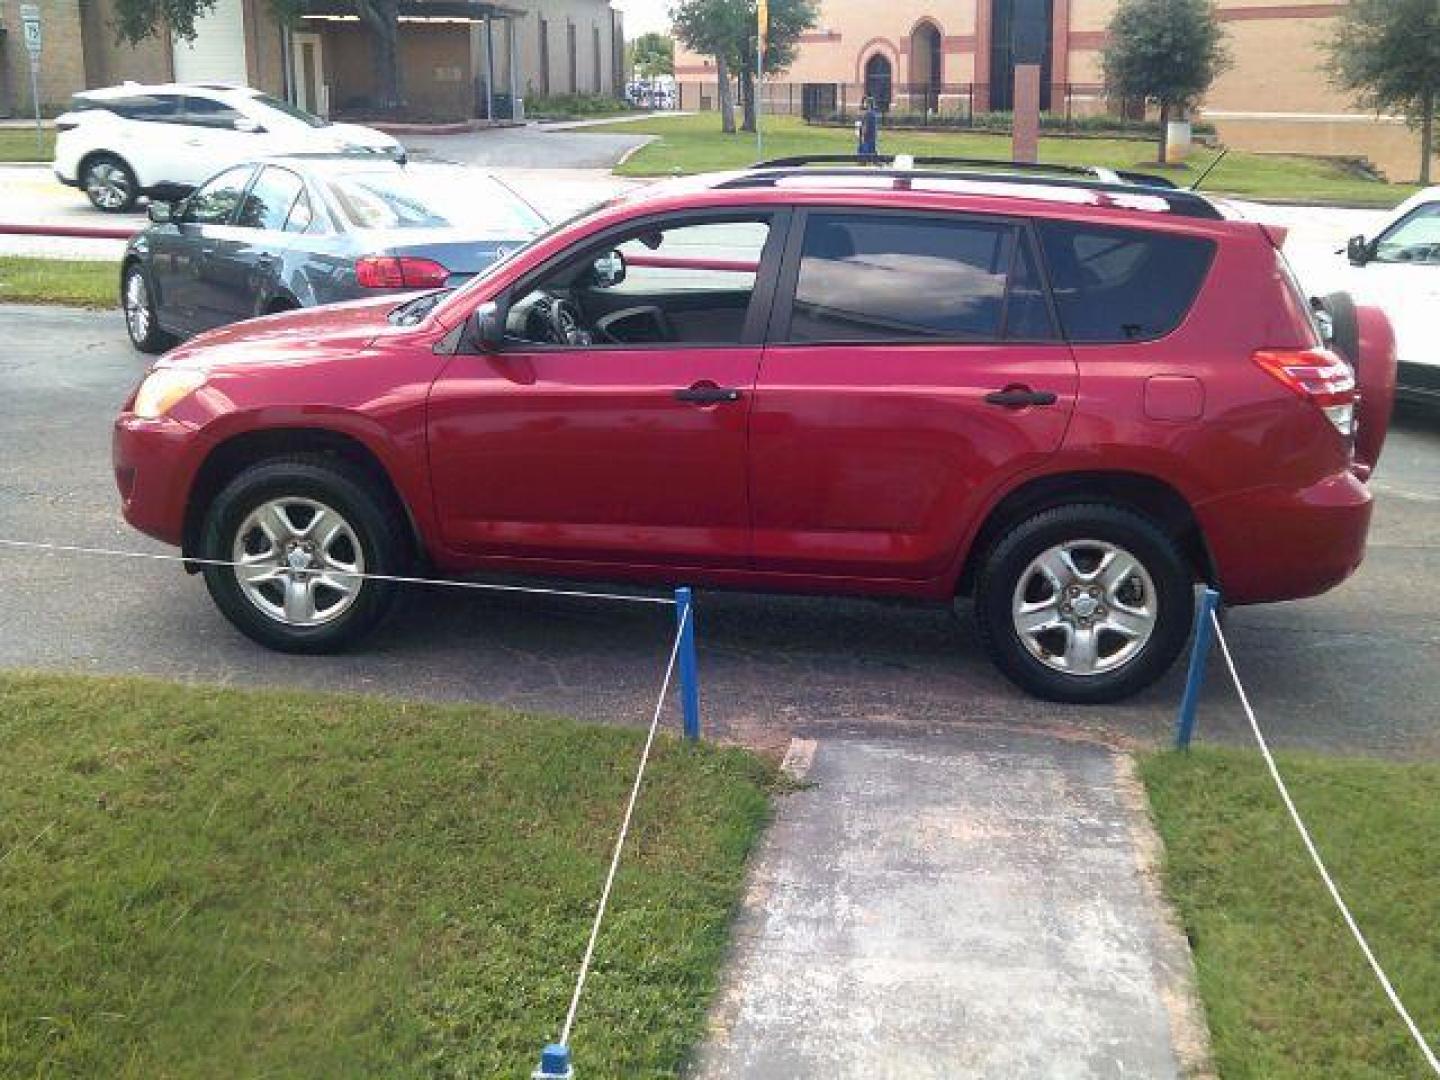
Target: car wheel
point(110, 184)
point(137, 300)
point(1084, 604)
point(298, 530)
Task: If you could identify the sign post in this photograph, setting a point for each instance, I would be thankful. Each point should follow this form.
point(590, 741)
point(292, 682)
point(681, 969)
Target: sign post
point(762, 18)
point(30, 20)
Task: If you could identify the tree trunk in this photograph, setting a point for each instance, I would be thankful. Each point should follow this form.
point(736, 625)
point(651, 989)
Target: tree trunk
point(1427, 139)
point(726, 103)
point(383, 19)
point(1164, 133)
point(747, 96)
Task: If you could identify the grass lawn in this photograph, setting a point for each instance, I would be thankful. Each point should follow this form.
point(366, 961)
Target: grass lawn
point(1287, 992)
point(695, 144)
point(18, 144)
point(207, 882)
point(81, 283)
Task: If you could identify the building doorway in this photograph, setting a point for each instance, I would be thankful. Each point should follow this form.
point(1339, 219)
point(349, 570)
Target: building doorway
point(1004, 15)
point(879, 81)
point(308, 57)
point(925, 68)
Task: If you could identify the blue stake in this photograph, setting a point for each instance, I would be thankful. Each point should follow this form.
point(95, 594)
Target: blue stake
point(1199, 655)
point(554, 1064)
point(689, 678)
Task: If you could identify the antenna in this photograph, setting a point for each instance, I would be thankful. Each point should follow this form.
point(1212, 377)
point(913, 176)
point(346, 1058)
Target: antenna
point(1209, 169)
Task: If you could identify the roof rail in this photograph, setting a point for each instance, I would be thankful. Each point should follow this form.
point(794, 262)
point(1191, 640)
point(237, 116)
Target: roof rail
point(1179, 202)
point(1098, 172)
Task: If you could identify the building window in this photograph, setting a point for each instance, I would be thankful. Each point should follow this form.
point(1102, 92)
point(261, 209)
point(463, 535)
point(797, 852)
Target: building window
point(544, 58)
point(595, 41)
point(878, 79)
point(1033, 20)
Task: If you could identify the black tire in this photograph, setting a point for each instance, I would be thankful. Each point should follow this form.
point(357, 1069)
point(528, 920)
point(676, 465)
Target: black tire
point(349, 492)
point(1010, 561)
point(137, 298)
point(109, 184)
point(1346, 326)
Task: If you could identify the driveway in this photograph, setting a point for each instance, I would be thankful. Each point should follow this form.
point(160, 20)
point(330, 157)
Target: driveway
point(1353, 670)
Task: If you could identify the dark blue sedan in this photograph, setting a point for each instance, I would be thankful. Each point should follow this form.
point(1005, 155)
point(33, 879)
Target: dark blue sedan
point(291, 232)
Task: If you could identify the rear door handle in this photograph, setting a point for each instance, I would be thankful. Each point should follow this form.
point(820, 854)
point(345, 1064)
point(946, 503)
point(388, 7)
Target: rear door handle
point(1020, 397)
point(707, 394)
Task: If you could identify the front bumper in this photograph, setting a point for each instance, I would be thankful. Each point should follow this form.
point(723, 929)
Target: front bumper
point(1273, 544)
point(155, 463)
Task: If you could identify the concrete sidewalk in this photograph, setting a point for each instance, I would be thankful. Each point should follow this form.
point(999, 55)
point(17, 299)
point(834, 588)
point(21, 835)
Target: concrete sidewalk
point(978, 903)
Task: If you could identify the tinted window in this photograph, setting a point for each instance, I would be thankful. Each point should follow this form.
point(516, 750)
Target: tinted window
point(893, 277)
point(270, 200)
point(1027, 311)
point(1416, 239)
point(1122, 284)
point(216, 200)
point(152, 107)
point(207, 112)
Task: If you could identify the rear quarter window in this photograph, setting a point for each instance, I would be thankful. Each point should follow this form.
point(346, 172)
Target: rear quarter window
point(1122, 285)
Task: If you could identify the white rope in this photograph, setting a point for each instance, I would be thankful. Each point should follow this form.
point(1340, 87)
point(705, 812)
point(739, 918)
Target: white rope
point(1385, 984)
point(624, 831)
point(72, 549)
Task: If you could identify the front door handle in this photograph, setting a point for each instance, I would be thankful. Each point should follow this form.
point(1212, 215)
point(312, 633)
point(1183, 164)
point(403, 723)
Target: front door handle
point(707, 394)
point(1020, 397)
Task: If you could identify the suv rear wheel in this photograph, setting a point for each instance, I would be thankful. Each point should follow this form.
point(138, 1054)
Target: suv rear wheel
point(109, 184)
point(1084, 604)
point(300, 529)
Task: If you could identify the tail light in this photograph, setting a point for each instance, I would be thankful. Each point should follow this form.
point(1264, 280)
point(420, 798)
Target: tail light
point(399, 272)
point(1320, 377)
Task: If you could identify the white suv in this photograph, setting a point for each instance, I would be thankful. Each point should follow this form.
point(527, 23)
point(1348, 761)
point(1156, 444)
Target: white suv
point(131, 140)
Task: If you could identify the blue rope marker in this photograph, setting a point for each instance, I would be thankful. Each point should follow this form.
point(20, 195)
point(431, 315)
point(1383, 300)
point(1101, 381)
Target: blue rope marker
point(554, 1064)
point(1199, 656)
point(689, 679)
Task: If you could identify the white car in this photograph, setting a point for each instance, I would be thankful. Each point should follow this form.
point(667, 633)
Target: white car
point(1398, 270)
point(126, 141)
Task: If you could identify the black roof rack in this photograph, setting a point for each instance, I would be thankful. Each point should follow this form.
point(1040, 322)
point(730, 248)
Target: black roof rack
point(987, 170)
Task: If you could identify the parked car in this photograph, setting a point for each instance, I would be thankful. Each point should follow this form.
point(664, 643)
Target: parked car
point(1068, 400)
point(122, 142)
point(1399, 270)
point(290, 232)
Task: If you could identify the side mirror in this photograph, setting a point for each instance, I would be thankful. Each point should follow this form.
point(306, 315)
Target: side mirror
point(1359, 251)
point(161, 213)
point(247, 125)
point(608, 270)
point(487, 327)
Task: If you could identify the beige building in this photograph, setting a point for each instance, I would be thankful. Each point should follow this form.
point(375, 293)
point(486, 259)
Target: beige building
point(459, 59)
point(954, 56)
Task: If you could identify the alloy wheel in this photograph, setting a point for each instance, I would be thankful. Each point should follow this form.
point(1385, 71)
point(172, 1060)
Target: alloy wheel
point(107, 185)
point(1085, 607)
point(297, 561)
point(137, 307)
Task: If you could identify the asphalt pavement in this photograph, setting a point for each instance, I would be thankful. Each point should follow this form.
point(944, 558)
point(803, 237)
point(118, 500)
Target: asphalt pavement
point(1353, 670)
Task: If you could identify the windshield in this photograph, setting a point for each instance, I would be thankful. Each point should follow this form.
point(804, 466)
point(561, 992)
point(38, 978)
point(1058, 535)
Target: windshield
point(420, 198)
point(292, 111)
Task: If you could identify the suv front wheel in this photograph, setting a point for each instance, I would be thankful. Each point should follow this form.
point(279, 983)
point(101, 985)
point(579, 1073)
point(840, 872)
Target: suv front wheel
point(1085, 604)
point(299, 532)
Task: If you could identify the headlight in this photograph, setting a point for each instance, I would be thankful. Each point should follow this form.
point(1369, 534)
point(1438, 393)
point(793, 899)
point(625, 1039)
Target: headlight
point(163, 389)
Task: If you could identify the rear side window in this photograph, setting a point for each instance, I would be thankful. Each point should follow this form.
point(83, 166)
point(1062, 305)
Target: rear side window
point(1121, 285)
point(897, 277)
point(154, 108)
point(271, 199)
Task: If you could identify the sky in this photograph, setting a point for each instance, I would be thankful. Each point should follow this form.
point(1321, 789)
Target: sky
point(643, 16)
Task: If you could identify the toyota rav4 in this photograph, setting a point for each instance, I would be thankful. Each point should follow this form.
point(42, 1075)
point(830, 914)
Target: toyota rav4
point(1070, 399)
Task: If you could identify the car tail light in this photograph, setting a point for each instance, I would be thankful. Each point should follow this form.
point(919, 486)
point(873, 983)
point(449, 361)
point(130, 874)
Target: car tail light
point(1319, 376)
point(399, 272)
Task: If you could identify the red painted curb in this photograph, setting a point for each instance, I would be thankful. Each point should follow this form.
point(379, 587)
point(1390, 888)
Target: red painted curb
point(81, 232)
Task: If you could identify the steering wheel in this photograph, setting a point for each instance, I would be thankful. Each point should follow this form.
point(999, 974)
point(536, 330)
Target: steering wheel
point(565, 325)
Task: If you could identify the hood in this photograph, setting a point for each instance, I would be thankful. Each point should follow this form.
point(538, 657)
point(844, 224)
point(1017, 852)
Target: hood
point(291, 337)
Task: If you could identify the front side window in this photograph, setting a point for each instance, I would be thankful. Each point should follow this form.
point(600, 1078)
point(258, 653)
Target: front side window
point(690, 283)
point(1416, 239)
point(207, 112)
point(898, 277)
point(1119, 285)
point(269, 203)
point(216, 201)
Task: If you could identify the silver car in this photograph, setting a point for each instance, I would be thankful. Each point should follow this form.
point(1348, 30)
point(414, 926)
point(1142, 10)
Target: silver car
point(296, 231)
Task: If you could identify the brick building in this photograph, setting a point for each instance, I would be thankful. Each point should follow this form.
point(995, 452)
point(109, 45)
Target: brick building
point(954, 56)
point(458, 58)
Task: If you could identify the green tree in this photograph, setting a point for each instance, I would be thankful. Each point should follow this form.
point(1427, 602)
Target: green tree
point(1387, 53)
point(652, 54)
point(1164, 52)
point(728, 29)
point(136, 20)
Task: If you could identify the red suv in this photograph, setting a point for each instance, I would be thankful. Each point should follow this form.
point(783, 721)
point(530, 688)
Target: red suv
point(1070, 399)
